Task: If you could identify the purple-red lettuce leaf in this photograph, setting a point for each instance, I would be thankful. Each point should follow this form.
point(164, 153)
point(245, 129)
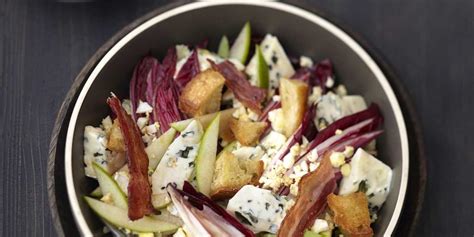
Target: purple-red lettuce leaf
point(144, 75)
point(165, 106)
point(317, 75)
point(188, 71)
point(200, 201)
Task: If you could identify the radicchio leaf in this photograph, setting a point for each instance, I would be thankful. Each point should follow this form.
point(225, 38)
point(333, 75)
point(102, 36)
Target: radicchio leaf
point(144, 75)
point(250, 96)
point(311, 201)
point(203, 203)
point(188, 71)
point(139, 190)
point(317, 75)
point(165, 106)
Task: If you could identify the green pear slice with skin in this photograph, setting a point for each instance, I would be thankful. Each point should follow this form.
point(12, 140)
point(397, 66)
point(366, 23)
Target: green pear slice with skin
point(241, 47)
point(262, 69)
point(97, 193)
point(224, 49)
point(206, 157)
point(205, 120)
point(119, 217)
point(108, 186)
point(158, 147)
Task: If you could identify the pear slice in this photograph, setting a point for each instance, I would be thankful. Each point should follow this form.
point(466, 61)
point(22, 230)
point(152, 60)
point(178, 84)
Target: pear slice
point(206, 157)
point(158, 147)
point(119, 217)
point(262, 69)
point(223, 50)
point(108, 186)
point(241, 47)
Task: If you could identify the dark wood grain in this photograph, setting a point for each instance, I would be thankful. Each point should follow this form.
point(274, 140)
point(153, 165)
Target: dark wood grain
point(43, 46)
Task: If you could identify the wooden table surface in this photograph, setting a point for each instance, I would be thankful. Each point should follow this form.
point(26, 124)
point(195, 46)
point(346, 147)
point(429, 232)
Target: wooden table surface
point(44, 44)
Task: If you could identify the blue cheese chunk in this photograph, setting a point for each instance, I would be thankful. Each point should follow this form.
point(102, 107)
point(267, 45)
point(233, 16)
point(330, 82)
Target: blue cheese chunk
point(332, 107)
point(278, 63)
point(259, 209)
point(370, 175)
point(95, 150)
point(177, 163)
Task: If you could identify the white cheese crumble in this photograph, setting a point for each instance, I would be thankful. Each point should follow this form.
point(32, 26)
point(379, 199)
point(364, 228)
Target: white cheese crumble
point(306, 61)
point(346, 170)
point(337, 159)
point(245, 114)
point(320, 225)
point(127, 106)
point(277, 120)
point(144, 107)
point(316, 93)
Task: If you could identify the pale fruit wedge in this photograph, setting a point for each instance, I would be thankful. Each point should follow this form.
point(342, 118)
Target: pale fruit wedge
point(241, 47)
point(205, 120)
point(223, 50)
point(108, 186)
point(206, 157)
point(97, 193)
point(262, 76)
point(158, 147)
point(119, 217)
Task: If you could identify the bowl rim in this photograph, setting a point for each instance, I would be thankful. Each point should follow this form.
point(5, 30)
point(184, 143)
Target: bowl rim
point(310, 16)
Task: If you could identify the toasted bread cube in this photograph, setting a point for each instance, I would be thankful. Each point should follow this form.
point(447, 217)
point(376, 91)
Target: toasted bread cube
point(294, 95)
point(351, 214)
point(116, 142)
point(246, 132)
point(232, 173)
point(202, 95)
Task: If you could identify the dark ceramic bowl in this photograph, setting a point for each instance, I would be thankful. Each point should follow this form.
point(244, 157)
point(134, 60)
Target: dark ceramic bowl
point(300, 31)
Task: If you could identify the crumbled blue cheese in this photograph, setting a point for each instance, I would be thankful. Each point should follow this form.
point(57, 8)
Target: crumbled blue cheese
point(127, 106)
point(204, 56)
point(144, 107)
point(271, 144)
point(182, 51)
point(332, 107)
point(315, 95)
point(374, 173)
point(248, 152)
point(277, 120)
point(278, 63)
point(320, 225)
point(306, 61)
point(274, 177)
point(337, 159)
point(259, 209)
point(245, 114)
point(107, 124)
point(95, 145)
point(122, 177)
point(177, 163)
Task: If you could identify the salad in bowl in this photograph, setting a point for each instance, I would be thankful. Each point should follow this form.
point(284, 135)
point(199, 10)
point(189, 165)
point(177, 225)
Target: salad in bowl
point(244, 141)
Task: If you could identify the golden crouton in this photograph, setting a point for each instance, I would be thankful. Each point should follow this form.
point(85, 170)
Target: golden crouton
point(351, 214)
point(293, 95)
point(246, 132)
point(116, 142)
point(232, 173)
point(202, 95)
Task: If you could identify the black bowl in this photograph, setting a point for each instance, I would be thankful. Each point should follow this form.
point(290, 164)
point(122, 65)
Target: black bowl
point(300, 31)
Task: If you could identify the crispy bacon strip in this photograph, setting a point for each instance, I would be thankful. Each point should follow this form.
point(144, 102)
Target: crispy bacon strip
point(311, 201)
point(250, 96)
point(139, 191)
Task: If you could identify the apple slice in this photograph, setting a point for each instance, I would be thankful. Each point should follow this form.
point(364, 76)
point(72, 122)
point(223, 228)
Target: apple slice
point(205, 120)
point(241, 47)
point(119, 217)
point(158, 147)
point(223, 50)
point(206, 157)
point(108, 186)
point(262, 69)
